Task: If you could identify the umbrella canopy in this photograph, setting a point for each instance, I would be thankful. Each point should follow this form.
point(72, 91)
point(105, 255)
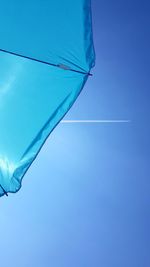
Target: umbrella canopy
point(46, 54)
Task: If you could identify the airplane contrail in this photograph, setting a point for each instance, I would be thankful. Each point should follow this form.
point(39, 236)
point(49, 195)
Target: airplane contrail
point(95, 121)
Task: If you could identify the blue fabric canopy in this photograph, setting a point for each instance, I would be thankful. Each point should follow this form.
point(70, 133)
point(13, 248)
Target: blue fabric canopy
point(46, 54)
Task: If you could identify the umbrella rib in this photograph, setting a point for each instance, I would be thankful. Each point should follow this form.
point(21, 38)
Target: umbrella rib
point(61, 66)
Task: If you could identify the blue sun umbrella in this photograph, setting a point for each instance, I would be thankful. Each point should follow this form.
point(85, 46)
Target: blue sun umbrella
point(46, 54)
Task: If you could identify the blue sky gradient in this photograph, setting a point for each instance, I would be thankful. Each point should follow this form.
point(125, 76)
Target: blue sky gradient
point(85, 201)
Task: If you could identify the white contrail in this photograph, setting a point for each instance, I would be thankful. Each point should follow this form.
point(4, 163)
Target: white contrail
point(95, 121)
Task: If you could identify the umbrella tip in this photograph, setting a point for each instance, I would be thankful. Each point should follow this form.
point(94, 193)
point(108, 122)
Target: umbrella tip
point(6, 194)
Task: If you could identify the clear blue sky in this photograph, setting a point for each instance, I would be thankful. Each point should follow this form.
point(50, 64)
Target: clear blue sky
point(94, 207)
